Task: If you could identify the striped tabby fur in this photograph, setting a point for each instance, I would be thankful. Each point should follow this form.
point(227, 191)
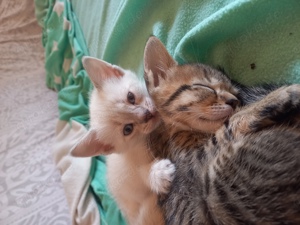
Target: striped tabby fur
point(246, 169)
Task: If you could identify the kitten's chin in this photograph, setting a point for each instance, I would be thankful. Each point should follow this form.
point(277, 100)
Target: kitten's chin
point(210, 126)
point(203, 125)
point(221, 114)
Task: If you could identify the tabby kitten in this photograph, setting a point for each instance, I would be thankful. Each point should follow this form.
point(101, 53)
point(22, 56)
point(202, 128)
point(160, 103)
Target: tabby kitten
point(121, 117)
point(248, 171)
point(191, 97)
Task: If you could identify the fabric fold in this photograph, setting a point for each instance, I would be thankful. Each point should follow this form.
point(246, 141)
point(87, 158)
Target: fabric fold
point(75, 174)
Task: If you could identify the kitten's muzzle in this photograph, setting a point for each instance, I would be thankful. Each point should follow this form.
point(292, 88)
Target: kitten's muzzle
point(148, 116)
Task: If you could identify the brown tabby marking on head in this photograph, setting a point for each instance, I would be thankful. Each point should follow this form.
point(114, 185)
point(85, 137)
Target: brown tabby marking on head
point(192, 96)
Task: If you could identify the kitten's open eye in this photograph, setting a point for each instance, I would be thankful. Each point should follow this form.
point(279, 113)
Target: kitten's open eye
point(128, 128)
point(131, 98)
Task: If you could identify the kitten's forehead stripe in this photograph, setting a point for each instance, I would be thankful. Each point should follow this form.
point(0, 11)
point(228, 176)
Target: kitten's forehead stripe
point(177, 93)
point(205, 74)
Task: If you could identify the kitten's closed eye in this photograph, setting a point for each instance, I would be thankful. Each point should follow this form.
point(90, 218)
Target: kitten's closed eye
point(131, 98)
point(205, 86)
point(128, 128)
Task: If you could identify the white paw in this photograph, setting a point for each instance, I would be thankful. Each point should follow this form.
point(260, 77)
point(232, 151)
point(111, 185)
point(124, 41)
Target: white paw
point(161, 175)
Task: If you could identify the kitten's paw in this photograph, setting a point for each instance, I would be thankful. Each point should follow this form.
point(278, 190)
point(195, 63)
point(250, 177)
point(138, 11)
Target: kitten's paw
point(279, 106)
point(294, 94)
point(161, 175)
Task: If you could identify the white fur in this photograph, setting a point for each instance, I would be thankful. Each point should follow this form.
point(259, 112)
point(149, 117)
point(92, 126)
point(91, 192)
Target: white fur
point(161, 175)
point(128, 180)
point(128, 168)
point(129, 161)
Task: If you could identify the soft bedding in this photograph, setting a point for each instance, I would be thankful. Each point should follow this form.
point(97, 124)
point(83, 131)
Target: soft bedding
point(31, 192)
point(255, 41)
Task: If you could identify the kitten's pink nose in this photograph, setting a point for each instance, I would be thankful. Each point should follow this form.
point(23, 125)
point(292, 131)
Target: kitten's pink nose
point(148, 116)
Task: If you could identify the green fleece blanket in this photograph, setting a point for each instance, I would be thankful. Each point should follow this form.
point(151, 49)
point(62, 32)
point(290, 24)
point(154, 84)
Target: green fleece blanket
point(255, 41)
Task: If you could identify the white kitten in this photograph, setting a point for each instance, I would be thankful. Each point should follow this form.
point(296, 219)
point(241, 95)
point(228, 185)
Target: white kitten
point(121, 117)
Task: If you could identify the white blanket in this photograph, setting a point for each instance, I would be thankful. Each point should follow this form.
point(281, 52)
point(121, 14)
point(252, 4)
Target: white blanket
point(31, 191)
point(75, 174)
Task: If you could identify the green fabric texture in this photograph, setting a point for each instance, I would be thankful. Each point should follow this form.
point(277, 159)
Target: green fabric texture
point(255, 41)
point(64, 47)
point(108, 213)
point(234, 34)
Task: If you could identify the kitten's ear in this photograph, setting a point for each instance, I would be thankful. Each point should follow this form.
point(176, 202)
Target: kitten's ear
point(99, 70)
point(157, 61)
point(90, 145)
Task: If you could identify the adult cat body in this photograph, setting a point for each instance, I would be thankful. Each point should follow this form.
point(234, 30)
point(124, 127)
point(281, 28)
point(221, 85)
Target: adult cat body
point(246, 169)
point(121, 117)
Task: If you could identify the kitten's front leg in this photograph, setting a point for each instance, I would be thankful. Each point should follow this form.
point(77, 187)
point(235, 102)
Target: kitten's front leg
point(280, 106)
point(158, 175)
point(161, 176)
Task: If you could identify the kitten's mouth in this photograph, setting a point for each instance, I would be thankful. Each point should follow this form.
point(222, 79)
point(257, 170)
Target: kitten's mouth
point(210, 125)
point(221, 120)
point(219, 115)
point(149, 116)
point(152, 123)
point(213, 123)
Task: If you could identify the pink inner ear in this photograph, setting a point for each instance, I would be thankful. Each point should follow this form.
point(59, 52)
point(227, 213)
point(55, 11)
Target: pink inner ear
point(91, 145)
point(117, 72)
point(105, 149)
